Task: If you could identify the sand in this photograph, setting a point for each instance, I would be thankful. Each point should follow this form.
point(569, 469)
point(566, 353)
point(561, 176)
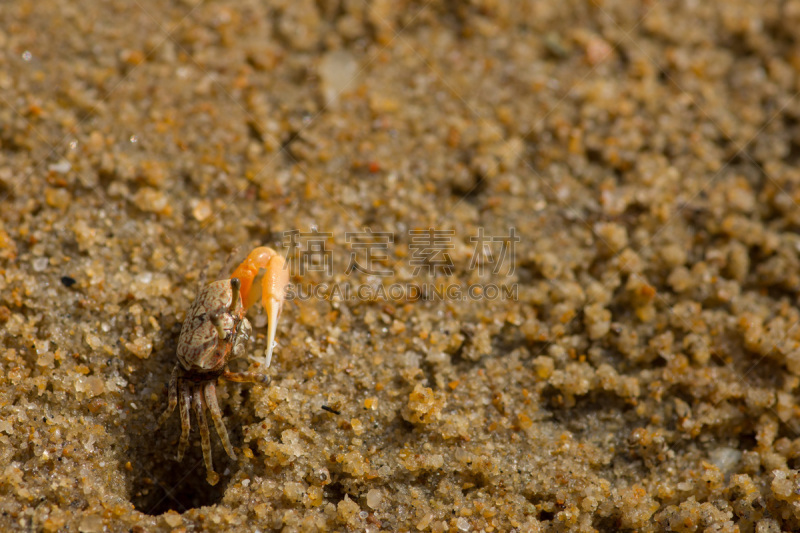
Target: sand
point(639, 372)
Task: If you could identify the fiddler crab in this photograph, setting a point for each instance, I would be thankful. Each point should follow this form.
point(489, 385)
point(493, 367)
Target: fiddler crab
point(215, 331)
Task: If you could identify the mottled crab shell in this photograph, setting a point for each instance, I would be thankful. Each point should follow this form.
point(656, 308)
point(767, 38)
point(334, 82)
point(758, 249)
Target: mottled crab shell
point(198, 346)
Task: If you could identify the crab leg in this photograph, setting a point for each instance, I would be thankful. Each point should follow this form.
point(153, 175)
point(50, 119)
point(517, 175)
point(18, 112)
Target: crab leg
point(173, 397)
point(273, 285)
point(210, 391)
point(205, 438)
point(186, 425)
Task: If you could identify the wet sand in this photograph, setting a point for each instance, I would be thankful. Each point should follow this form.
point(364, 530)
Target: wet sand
point(641, 160)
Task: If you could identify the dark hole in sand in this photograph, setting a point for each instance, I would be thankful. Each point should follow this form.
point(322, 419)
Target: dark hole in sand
point(159, 483)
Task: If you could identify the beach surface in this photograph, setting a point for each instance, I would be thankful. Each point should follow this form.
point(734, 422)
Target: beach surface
point(545, 263)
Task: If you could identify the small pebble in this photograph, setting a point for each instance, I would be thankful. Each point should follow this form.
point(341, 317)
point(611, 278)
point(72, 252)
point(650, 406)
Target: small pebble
point(62, 167)
point(40, 264)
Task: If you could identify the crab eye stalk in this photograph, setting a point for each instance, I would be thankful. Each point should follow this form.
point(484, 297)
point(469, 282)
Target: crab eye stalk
point(217, 321)
point(237, 295)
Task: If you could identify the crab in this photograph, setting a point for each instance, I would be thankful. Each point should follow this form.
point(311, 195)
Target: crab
point(215, 332)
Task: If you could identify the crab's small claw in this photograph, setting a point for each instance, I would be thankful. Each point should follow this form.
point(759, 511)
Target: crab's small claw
point(273, 281)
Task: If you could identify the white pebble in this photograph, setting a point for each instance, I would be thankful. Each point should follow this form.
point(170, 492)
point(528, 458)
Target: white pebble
point(93, 341)
point(145, 277)
point(62, 167)
point(40, 263)
point(337, 70)
point(374, 498)
point(725, 458)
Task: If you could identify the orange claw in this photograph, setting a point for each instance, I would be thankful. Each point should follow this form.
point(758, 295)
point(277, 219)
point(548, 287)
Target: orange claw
point(273, 283)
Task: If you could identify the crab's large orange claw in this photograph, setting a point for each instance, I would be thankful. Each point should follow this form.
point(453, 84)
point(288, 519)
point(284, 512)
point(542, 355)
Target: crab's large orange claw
point(273, 283)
